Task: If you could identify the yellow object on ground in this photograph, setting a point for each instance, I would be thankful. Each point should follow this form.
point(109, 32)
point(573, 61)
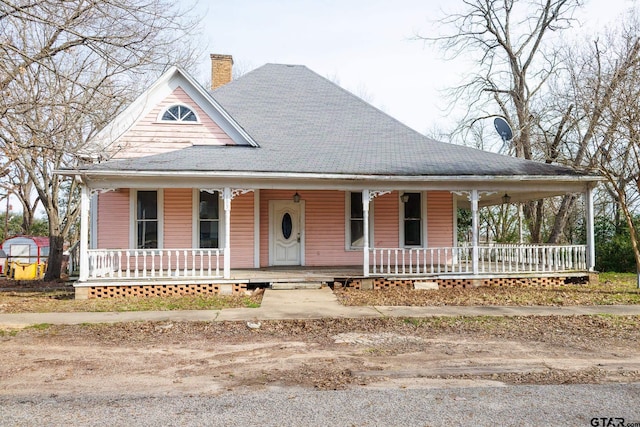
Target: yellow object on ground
point(21, 271)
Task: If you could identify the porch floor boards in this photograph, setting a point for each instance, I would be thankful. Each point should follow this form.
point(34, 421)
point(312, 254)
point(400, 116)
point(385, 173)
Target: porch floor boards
point(295, 274)
point(289, 274)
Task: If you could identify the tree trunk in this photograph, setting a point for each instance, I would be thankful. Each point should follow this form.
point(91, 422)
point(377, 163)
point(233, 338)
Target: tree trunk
point(560, 221)
point(633, 232)
point(533, 215)
point(54, 266)
point(27, 221)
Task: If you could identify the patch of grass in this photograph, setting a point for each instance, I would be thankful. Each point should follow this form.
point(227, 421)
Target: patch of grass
point(43, 302)
point(617, 321)
point(414, 321)
point(194, 302)
point(39, 326)
point(8, 332)
point(435, 322)
point(621, 279)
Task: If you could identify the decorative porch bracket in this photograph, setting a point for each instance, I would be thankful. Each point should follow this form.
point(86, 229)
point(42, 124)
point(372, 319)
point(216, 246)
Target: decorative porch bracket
point(367, 197)
point(228, 194)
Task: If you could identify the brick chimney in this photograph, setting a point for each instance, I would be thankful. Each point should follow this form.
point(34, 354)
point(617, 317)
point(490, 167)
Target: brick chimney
point(221, 68)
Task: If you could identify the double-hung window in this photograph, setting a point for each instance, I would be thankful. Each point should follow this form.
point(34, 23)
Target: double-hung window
point(412, 219)
point(147, 221)
point(355, 221)
point(209, 219)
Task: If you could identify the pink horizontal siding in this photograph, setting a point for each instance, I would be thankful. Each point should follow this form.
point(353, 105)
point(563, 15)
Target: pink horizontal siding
point(385, 220)
point(178, 218)
point(113, 219)
point(440, 219)
point(242, 236)
point(324, 224)
point(324, 227)
point(150, 136)
point(325, 230)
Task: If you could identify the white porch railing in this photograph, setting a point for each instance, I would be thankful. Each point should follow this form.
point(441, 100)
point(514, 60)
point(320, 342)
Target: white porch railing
point(500, 258)
point(155, 263)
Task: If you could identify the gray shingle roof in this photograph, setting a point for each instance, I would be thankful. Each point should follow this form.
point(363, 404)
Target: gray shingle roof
point(306, 124)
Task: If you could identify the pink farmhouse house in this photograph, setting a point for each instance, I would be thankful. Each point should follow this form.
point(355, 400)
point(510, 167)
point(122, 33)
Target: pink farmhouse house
point(283, 175)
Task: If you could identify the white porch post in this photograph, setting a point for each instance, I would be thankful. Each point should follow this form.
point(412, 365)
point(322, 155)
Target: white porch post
point(474, 231)
point(365, 221)
point(84, 234)
point(591, 247)
point(520, 223)
point(227, 196)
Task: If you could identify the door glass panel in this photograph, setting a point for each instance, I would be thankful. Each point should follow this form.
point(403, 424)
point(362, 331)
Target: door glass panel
point(287, 226)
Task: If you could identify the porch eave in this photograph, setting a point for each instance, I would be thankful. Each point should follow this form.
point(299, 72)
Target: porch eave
point(257, 179)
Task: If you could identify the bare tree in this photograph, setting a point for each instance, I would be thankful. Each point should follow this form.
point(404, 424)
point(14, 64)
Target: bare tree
point(608, 79)
point(119, 32)
point(17, 182)
point(66, 69)
point(512, 46)
point(501, 223)
point(14, 181)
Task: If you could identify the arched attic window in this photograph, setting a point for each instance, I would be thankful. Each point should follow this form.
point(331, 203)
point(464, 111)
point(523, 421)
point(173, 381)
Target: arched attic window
point(179, 113)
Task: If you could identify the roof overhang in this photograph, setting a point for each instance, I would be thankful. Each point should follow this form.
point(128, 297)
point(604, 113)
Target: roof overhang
point(491, 188)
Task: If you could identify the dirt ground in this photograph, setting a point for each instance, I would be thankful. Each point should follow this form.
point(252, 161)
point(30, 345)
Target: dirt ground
point(214, 357)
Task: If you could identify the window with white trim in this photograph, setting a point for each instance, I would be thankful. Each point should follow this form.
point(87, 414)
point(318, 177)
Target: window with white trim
point(355, 221)
point(412, 220)
point(179, 113)
point(147, 220)
point(209, 219)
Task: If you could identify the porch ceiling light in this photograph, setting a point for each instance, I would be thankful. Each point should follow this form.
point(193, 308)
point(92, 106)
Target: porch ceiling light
point(296, 198)
point(506, 199)
point(404, 198)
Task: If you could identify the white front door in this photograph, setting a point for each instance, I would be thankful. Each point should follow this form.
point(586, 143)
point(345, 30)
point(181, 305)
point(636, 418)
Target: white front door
point(286, 232)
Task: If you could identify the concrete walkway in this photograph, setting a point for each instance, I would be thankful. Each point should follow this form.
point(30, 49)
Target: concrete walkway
point(305, 304)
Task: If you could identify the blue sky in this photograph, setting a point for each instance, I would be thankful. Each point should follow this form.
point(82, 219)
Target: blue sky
point(365, 46)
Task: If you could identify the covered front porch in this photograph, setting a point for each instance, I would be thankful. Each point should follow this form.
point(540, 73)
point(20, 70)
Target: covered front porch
point(322, 230)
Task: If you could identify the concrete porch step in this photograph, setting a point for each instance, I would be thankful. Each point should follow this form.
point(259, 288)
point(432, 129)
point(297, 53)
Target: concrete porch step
point(281, 286)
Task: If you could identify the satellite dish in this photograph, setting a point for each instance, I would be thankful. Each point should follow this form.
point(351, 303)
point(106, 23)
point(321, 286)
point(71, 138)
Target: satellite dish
point(503, 128)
